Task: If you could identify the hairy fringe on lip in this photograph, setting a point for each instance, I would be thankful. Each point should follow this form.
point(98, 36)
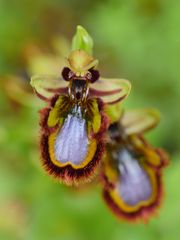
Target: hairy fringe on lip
point(144, 212)
point(68, 174)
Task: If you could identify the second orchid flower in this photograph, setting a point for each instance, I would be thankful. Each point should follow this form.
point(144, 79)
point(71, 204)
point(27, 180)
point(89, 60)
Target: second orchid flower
point(132, 168)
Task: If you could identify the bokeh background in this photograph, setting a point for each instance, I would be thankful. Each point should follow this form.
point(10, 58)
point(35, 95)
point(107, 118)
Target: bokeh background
point(138, 40)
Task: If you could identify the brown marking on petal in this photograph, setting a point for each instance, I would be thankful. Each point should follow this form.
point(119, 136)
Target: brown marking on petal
point(94, 92)
point(41, 96)
point(44, 114)
point(164, 158)
point(101, 104)
point(142, 214)
point(57, 90)
point(89, 106)
point(117, 100)
point(106, 183)
point(53, 100)
point(104, 126)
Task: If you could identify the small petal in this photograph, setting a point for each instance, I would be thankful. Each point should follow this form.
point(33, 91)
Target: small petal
point(45, 86)
point(111, 91)
point(139, 121)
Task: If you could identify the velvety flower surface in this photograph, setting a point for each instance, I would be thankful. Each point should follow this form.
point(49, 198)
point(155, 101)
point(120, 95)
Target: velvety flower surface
point(74, 125)
point(132, 168)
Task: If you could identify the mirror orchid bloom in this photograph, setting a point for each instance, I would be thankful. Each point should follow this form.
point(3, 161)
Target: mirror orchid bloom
point(132, 168)
point(74, 124)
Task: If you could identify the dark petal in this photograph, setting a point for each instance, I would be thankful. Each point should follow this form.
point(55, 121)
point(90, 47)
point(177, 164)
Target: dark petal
point(95, 75)
point(46, 86)
point(65, 73)
point(111, 91)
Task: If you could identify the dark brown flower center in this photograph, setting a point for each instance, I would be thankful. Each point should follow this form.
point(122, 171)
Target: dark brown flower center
point(78, 90)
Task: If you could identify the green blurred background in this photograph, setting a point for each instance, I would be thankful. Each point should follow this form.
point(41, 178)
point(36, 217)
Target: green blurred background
point(138, 40)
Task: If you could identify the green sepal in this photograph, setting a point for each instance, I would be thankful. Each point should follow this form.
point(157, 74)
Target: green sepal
point(82, 40)
point(139, 121)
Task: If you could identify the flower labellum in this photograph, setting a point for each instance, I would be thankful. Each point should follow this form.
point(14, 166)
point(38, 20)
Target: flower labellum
point(74, 125)
point(132, 168)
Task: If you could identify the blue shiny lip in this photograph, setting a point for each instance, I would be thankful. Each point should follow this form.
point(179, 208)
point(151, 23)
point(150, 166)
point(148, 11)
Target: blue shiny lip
point(134, 185)
point(72, 135)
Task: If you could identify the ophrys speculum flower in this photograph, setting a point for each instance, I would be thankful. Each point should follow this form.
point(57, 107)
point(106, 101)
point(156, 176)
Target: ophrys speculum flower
point(132, 168)
point(74, 125)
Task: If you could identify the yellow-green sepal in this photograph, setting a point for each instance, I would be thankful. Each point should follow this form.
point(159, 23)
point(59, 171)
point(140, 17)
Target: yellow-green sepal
point(114, 112)
point(140, 120)
point(82, 40)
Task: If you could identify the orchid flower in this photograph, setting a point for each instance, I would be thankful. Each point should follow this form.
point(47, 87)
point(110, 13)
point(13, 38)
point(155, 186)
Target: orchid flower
point(132, 168)
point(74, 123)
